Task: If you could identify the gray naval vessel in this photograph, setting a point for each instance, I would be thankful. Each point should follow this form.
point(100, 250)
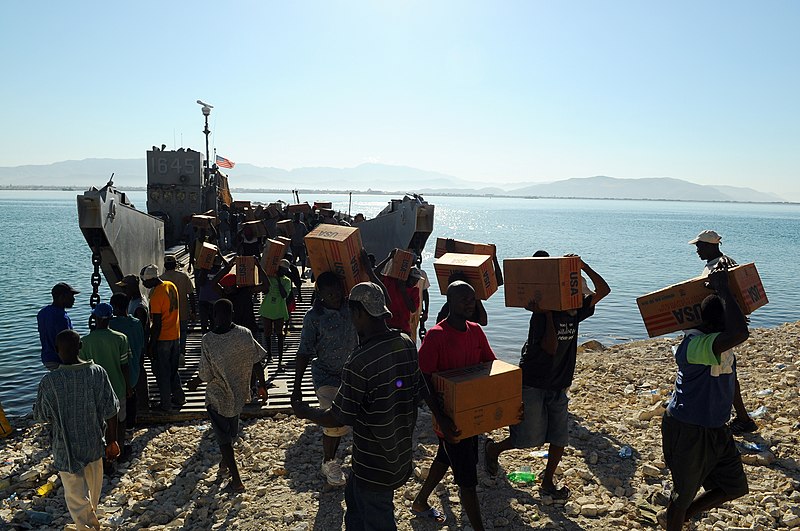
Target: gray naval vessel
point(181, 183)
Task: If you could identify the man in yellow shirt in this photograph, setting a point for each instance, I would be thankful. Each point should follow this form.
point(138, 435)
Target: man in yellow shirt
point(164, 345)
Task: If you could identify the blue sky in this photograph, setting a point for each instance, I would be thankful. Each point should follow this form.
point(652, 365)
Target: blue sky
point(486, 91)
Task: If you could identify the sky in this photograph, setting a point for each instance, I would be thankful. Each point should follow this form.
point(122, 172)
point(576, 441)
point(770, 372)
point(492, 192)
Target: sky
point(490, 91)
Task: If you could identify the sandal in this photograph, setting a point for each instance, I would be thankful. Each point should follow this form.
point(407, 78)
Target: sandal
point(492, 465)
point(557, 494)
point(432, 513)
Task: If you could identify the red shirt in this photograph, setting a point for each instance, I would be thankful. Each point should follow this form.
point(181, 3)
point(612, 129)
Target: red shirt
point(401, 315)
point(445, 348)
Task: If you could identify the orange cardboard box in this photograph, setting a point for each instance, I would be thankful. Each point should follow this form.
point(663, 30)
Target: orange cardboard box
point(482, 397)
point(286, 227)
point(555, 283)
point(258, 228)
point(272, 254)
point(284, 239)
point(204, 221)
point(449, 245)
point(246, 271)
point(400, 265)
point(241, 204)
point(322, 204)
point(205, 256)
point(677, 307)
point(299, 208)
point(477, 268)
point(336, 248)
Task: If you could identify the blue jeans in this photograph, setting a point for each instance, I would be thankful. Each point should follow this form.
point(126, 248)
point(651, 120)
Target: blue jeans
point(166, 372)
point(368, 510)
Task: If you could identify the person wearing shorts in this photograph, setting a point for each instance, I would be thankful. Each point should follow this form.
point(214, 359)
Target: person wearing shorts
point(452, 344)
point(228, 353)
point(698, 445)
point(327, 339)
point(548, 366)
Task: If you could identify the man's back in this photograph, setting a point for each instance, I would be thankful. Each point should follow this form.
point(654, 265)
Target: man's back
point(76, 400)
point(164, 300)
point(110, 350)
point(185, 286)
point(51, 320)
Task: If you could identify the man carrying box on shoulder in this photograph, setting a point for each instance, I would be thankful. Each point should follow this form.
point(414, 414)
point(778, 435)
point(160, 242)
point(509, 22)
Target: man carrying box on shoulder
point(698, 446)
point(453, 343)
point(548, 366)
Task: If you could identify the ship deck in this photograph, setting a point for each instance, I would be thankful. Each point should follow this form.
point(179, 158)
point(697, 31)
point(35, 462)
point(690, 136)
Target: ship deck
point(280, 383)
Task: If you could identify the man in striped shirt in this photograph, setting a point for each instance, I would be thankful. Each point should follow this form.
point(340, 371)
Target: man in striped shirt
point(380, 391)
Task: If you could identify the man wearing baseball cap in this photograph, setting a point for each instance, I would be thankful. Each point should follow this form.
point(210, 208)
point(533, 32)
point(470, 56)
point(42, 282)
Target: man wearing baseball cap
point(380, 391)
point(52, 319)
point(164, 344)
point(707, 243)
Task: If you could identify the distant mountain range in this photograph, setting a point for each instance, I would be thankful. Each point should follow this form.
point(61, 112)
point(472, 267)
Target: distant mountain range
point(380, 177)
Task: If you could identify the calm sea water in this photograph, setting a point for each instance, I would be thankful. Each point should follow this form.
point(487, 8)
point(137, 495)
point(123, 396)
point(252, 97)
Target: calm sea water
point(638, 246)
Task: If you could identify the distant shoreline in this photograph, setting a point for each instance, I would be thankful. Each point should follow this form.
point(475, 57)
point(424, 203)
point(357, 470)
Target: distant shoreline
point(431, 193)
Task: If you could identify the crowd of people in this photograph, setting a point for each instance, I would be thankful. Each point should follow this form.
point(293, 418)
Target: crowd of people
point(370, 380)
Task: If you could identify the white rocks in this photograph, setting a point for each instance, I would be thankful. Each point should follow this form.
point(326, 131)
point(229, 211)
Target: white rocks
point(650, 471)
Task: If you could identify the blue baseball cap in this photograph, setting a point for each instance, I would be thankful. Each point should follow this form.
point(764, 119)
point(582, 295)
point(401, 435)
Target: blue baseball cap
point(103, 311)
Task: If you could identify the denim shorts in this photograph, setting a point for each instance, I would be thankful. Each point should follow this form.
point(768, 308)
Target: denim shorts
point(546, 419)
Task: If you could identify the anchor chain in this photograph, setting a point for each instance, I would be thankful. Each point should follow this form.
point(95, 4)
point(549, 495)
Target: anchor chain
point(95, 279)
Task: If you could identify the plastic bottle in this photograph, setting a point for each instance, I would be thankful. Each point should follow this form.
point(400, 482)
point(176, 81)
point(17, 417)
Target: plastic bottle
point(759, 412)
point(764, 392)
point(625, 452)
point(45, 489)
point(522, 475)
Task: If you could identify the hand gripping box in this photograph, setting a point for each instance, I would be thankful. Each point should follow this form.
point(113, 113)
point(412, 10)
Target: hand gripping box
point(478, 269)
point(246, 271)
point(677, 307)
point(449, 245)
point(480, 398)
point(336, 248)
point(205, 256)
point(554, 283)
point(272, 254)
point(400, 265)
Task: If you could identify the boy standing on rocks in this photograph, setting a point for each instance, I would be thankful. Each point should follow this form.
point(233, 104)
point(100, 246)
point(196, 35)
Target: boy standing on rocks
point(379, 395)
point(548, 366)
point(228, 353)
point(698, 446)
point(707, 243)
point(327, 339)
point(77, 400)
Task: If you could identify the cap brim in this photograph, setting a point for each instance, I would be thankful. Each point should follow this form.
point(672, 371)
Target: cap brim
point(694, 241)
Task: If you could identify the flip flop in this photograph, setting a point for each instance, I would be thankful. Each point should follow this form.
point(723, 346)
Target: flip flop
point(493, 465)
point(557, 494)
point(432, 513)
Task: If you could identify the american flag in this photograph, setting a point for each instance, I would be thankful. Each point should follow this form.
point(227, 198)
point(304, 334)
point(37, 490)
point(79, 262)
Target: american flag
point(222, 162)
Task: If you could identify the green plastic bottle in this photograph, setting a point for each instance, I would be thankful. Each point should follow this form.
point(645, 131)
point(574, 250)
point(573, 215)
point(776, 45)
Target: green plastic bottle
point(522, 475)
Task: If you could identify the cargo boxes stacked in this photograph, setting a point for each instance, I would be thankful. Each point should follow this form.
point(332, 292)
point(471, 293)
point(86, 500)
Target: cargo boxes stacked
point(554, 283)
point(336, 248)
point(475, 261)
point(677, 307)
point(399, 266)
point(274, 250)
point(482, 397)
point(246, 271)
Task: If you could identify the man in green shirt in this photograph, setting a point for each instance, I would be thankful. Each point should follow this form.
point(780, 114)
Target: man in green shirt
point(111, 351)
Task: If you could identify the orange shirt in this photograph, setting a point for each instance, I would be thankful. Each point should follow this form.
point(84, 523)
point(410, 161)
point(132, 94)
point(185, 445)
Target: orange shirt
point(164, 301)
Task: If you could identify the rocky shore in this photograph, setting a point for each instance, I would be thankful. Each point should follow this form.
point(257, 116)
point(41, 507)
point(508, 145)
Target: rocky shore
point(616, 402)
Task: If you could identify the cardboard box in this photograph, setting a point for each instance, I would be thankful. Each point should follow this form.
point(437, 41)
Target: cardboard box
point(425, 219)
point(206, 253)
point(449, 245)
point(477, 268)
point(299, 208)
point(246, 271)
point(272, 254)
point(677, 307)
point(273, 210)
point(286, 227)
point(336, 248)
point(322, 204)
point(204, 221)
point(241, 204)
point(555, 283)
point(258, 228)
point(327, 212)
point(400, 265)
point(285, 240)
point(482, 397)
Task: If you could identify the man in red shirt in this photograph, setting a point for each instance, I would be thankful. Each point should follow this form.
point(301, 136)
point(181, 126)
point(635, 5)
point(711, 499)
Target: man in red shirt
point(452, 344)
point(403, 297)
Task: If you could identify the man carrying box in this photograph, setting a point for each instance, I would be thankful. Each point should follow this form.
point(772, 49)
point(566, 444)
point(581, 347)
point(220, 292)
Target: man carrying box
point(453, 343)
point(698, 448)
point(548, 366)
point(707, 243)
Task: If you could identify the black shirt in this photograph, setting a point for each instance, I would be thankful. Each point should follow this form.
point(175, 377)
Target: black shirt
point(540, 369)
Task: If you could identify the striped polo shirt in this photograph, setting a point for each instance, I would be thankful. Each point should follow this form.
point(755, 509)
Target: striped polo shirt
point(380, 391)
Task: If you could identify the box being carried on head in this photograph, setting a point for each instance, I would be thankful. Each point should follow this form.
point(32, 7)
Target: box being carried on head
point(477, 270)
point(450, 245)
point(400, 265)
point(205, 255)
point(246, 271)
point(257, 228)
point(482, 397)
point(285, 227)
point(554, 282)
point(336, 248)
point(299, 208)
point(677, 307)
point(272, 255)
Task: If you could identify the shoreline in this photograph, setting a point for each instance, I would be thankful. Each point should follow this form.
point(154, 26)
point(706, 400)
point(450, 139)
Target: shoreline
point(615, 399)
